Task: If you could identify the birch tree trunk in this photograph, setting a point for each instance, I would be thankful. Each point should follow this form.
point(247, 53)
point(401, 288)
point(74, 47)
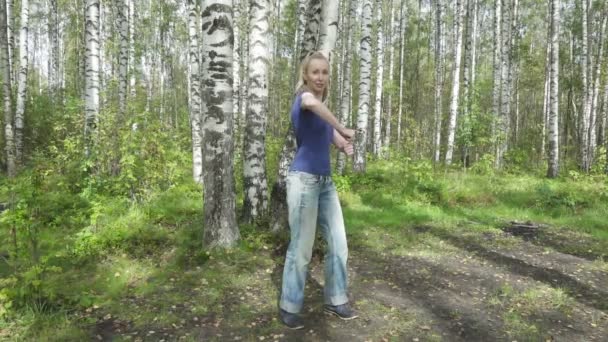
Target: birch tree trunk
point(455, 82)
point(586, 115)
point(401, 71)
point(502, 132)
point(391, 75)
point(601, 137)
point(379, 81)
point(91, 73)
point(553, 165)
point(53, 33)
point(195, 92)
point(547, 89)
point(359, 162)
point(236, 72)
point(10, 33)
point(439, 72)
point(255, 202)
point(132, 65)
point(300, 29)
point(328, 33)
point(220, 226)
point(5, 70)
point(497, 86)
point(310, 37)
point(345, 107)
point(593, 119)
point(123, 58)
point(22, 81)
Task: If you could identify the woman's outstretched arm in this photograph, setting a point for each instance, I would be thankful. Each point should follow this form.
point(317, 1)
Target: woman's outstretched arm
point(310, 102)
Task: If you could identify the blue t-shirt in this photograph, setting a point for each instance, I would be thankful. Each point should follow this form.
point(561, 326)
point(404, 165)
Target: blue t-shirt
point(313, 136)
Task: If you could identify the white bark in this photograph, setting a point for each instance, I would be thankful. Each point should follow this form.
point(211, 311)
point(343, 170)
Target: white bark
point(345, 108)
point(310, 37)
point(455, 97)
point(401, 70)
point(585, 117)
point(5, 71)
point(328, 33)
point(195, 92)
point(364, 88)
point(553, 165)
point(220, 226)
point(132, 65)
point(255, 202)
point(22, 80)
point(91, 72)
point(123, 58)
point(10, 33)
point(391, 75)
point(439, 71)
point(593, 118)
point(497, 62)
point(379, 81)
point(236, 71)
point(53, 33)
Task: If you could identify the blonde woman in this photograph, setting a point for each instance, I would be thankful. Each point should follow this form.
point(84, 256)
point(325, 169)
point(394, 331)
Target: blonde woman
point(312, 198)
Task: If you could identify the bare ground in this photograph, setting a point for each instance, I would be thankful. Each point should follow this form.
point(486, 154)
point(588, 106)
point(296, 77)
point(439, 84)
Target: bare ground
point(469, 287)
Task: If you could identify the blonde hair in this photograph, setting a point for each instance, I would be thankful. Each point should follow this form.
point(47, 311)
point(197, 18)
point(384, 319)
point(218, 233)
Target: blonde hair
point(301, 86)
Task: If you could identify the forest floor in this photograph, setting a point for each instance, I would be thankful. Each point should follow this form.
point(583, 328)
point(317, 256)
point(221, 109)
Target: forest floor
point(450, 287)
point(450, 266)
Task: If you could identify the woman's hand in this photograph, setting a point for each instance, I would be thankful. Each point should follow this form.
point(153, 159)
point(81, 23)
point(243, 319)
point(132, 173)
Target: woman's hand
point(347, 149)
point(347, 133)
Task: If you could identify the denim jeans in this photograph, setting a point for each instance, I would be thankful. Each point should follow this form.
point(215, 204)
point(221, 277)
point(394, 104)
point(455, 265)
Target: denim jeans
point(312, 200)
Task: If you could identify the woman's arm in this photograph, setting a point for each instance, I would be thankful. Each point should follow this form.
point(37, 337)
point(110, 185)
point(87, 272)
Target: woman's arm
point(310, 102)
point(342, 144)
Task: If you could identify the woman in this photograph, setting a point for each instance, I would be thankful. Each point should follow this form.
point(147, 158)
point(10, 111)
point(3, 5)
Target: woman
point(312, 198)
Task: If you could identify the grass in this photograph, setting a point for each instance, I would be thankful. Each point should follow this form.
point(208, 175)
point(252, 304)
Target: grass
point(144, 262)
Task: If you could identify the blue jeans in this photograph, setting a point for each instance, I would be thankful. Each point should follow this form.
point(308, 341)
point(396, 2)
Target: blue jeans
point(312, 200)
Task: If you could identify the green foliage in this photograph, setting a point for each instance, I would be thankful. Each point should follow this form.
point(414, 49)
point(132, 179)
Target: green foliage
point(485, 166)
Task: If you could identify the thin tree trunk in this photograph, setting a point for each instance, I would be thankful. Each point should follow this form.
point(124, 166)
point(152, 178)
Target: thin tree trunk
point(91, 73)
point(391, 76)
point(496, 90)
point(5, 70)
point(345, 107)
point(195, 92)
point(132, 64)
point(439, 71)
point(401, 72)
point(123, 59)
point(10, 33)
point(53, 32)
point(220, 225)
point(467, 76)
point(502, 132)
point(255, 202)
point(236, 73)
point(359, 162)
point(553, 167)
point(595, 93)
point(379, 81)
point(455, 82)
point(310, 38)
point(585, 68)
point(22, 81)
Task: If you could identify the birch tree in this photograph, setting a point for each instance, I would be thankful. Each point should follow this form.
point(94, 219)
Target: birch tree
point(22, 80)
point(345, 102)
point(497, 78)
point(401, 70)
point(359, 161)
point(454, 100)
point(439, 72)
point(5, 70)
point(597, 74)
point(123, 58)
point(132, 64)
point(391, 75)
point(587, 99)
point(553, 165)
point(220, 226)
point(255, 201)
point(91, 72)
point(53, 37)
point(379, 80)
point(195, 94)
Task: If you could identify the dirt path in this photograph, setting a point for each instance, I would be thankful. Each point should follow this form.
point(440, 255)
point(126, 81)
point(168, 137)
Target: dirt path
point(488, 287)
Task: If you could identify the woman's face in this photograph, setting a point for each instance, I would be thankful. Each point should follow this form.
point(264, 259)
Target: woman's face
point(317, 75)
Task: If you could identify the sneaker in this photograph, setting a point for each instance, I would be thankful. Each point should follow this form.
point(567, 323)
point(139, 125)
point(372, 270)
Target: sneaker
point(343, 311)
point(292, 321)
